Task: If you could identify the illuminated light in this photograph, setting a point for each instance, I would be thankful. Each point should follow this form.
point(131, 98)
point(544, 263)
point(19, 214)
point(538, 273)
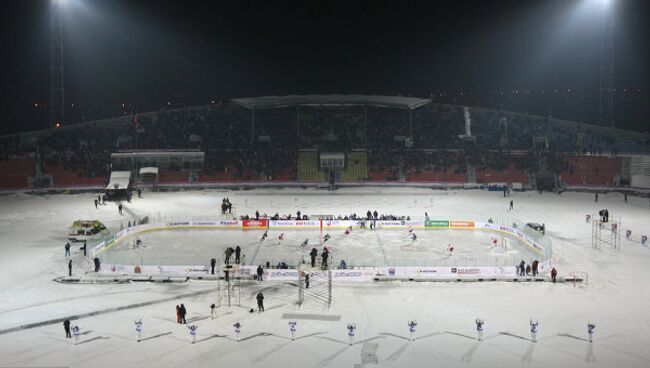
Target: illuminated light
point(57, 125)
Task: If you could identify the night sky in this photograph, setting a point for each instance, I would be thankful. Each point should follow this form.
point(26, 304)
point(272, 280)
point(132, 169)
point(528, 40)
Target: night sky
point(536, 56)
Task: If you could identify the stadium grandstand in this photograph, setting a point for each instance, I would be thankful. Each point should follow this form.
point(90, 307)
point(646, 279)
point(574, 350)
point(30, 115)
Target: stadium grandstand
point(329, 140)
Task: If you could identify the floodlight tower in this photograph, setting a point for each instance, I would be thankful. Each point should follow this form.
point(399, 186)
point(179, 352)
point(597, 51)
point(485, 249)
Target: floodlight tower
point(606, 89)
point(57, 104)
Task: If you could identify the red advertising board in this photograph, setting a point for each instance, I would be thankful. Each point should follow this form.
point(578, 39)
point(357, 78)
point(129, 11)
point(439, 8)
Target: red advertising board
point(254, 224)
point(467, 224)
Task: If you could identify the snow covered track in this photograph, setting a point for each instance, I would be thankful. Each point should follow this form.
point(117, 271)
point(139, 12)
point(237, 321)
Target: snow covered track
point(616, 297)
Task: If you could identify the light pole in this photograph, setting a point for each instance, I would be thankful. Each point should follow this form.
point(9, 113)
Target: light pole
point(57, 102)
point(606, 88)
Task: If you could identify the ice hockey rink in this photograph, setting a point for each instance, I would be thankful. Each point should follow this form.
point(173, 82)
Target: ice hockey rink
point(616, 299)
point(361, 247)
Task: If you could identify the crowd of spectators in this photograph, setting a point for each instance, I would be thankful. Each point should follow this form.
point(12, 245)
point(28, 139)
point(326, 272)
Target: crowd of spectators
point(370, 215)
point(265, 147)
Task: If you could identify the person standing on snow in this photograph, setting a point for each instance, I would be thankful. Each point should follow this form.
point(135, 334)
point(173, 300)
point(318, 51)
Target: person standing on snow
point(260, 273)
point(313, 255)
point(553, 274)
point(479, 328)
point(533, 330)
point(260, 302)
point(66, 327)
point(238, 254)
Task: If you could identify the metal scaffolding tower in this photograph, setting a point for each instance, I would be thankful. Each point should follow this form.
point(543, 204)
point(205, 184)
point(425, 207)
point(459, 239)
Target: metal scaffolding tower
point(605, 233)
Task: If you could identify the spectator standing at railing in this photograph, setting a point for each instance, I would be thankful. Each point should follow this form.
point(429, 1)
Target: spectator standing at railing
point(260, 273)
point(553, 274)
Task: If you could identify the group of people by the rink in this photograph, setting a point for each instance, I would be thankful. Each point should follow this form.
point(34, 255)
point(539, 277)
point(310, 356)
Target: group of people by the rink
point(531, 269)
point(226, 206)
point(604, 215)
point(181, 312)
point(228, 256)
point(370, 215)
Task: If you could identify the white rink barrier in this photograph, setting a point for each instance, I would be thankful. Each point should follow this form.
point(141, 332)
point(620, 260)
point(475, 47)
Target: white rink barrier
point(446, 272)
point(338, 275)
point(365, 274)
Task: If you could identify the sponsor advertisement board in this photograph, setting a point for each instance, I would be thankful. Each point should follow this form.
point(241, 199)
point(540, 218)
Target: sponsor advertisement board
point(333, 224)
point(353, 275)
point(157, 270)
point(461, 224)
point(295, 223)
point(436, 223)
point(254, 224)
point(446, 272)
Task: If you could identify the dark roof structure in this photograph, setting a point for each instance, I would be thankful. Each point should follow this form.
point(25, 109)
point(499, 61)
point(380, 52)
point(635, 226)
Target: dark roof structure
point(271, 102)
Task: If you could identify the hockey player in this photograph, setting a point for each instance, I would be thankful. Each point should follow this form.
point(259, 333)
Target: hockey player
point(351, 331)
point(450, 248)
point(292, 329)
point(326, 237)
point(212, 310)
point(479, 328)
point(67, 249)
point(590, 331)
point(280, 238)
point(193, 329)
point(138, 242)
point(494, 242)
point(410, 229)
point(304, 244)
point(412, 325)
point(76, 331)
point(138, 328)
point(512, 205)
point(237, 327)
point(413, 238)
point(266, 233)
point(533, 330)
point(348, 230)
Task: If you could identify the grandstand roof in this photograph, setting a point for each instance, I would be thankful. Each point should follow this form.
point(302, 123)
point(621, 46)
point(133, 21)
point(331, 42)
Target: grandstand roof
point(271, 102)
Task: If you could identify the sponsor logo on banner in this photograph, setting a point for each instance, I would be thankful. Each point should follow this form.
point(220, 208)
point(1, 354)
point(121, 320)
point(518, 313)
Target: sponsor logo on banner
point(282, 275)
point(391, 223)
point(254, 224)
point(391, 271)
point(436, 223)
point(228, 223)
point(204, 223)
point(427, 270)
point(467, 224)
point(468, 271)
point(296, 223)
point(197, 269)
point(347, 274)
point(179, 223)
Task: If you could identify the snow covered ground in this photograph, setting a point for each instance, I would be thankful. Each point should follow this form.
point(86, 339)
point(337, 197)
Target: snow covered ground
point(617, 298)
